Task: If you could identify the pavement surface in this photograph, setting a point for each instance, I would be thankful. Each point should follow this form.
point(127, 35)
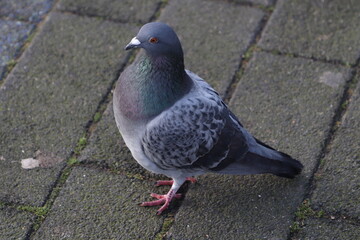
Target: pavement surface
point(289, 69)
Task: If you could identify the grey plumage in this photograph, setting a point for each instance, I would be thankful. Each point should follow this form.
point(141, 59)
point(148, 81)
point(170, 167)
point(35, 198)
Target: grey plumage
point(175, 124)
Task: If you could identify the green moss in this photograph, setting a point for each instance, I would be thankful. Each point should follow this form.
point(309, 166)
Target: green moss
point(28, 41)
point(344, 104)
point(97, 117)
point(168, 222)
point(72, 161)
point(10, 65)
point(38, 211)
point(305, 211)
point(268, 9)
point(295, 227)
point(64, 176)
point(302, 213)
point(250, 52)
point(80, 145)
point(320, 214)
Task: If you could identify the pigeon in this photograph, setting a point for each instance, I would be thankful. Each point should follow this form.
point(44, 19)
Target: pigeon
point(176, 124)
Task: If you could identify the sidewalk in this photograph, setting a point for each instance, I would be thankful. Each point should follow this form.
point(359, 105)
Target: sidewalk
point(289, 69)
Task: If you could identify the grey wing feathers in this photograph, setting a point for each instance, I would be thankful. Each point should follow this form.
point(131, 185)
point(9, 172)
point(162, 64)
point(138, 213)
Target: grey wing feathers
point(184, 133)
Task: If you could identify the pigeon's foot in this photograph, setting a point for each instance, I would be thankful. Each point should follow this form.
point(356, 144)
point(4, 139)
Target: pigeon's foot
point(170, 182)
point(162, 199)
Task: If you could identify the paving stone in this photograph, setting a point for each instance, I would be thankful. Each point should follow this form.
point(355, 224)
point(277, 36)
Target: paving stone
point(213, 43)
point(139, 11)
point(338, 183)
point(12, 36)
point(321, 29)
point(97, 204)
point(25, 10)
point(51, 94)
point(327, 230)
point(14, 224)
point(286, 103)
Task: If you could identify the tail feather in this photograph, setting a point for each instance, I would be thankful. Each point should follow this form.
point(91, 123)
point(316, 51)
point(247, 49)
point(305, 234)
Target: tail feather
point(286, 167)
point(277, 163)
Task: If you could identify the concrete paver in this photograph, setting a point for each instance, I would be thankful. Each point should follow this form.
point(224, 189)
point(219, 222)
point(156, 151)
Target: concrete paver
point(337, 188)
point(287, 100)
point(213, 43)
point(319, 29)
point(290, 102)
point(139, 11)
point(50, 96)
point(14, 224)
point(25, 10)
point(231, 207)
point(327, 230)
point(12, 36)
point(97, 204)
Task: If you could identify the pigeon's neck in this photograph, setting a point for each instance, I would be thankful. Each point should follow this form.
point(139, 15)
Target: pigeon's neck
point(154, 85)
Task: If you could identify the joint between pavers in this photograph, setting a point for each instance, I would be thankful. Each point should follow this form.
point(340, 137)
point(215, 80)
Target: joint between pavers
point(20, 52)
point(49, 200)
point(313, 58)
point(306, 211)
point(158, 10)
point(5, 18)
point(99, 17)
point(350, 85)
point(167, 224)
point(245, 58)
point(268, 9)
point(153, 17)
point(342, 108)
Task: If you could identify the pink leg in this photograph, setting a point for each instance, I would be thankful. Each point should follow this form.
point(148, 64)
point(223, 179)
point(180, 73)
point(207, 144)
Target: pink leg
point(170, 182)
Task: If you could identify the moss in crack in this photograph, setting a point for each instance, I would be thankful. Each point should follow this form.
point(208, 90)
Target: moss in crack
point(72, 161)
point(295, 227)
point(97, 117)
point(28, 41)
point(10, 65)
point(38, 211)
point(80, 145)
point(303, 212)
point(168, 222)
point(249, 53)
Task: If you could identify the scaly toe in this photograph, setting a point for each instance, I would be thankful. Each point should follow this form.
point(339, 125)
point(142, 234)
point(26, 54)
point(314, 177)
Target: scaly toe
point(153, 203)
point(164, 182)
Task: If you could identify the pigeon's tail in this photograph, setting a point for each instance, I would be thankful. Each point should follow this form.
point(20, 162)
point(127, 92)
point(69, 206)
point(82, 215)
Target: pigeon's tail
point(264, 159)
point(284, 167)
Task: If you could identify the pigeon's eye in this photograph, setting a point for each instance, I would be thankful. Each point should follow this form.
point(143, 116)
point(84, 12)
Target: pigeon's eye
point(153, 40)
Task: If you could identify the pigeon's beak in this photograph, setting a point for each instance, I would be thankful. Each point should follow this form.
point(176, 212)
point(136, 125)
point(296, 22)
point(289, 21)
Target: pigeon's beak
point(134, 43)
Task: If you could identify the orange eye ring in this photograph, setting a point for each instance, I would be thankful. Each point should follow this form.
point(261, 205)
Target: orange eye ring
point(153, 40)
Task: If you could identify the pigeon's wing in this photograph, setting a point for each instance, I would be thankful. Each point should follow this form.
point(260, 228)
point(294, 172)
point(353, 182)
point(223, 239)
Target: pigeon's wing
point(195, 133)
point(183, 133)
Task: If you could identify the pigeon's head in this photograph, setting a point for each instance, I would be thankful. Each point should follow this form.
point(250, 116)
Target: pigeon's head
point(158, 39)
